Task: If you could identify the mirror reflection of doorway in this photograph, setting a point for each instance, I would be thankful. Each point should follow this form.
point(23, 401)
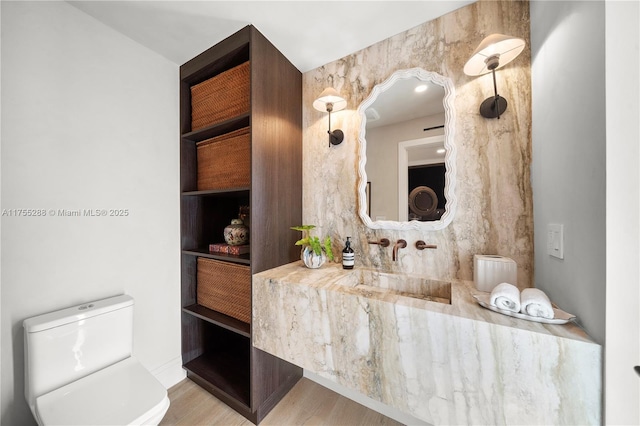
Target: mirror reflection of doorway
point(421, 164)
point(426, 192)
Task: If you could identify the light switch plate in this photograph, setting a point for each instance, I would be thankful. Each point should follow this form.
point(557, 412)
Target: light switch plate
point(555, 240)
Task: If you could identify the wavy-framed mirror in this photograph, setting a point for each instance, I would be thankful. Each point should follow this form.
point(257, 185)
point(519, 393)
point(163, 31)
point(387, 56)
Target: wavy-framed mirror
point(407, 155)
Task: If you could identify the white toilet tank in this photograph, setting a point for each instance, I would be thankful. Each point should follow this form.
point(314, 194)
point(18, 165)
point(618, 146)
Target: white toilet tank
point(66, 345)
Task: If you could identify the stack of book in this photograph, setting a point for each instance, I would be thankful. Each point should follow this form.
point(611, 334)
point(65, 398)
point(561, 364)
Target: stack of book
point(227, 249)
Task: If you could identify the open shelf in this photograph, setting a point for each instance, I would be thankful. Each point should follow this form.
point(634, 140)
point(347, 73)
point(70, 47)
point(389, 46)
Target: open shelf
point(204, 219)
point(219, 319)
point(218, 129)
point(230, 192)
point(227, 54)
point(225, 365)
point(244, 259)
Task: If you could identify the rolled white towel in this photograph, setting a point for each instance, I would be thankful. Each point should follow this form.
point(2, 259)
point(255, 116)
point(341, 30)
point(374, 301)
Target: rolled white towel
point(534, 302)
point(506, 296)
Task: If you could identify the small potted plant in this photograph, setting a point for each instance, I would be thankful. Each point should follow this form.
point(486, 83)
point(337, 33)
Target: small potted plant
point(314, 252)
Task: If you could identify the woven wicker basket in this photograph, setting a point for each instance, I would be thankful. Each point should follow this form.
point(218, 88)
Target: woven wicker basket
point(221, 97)
point(224, 287)
point(225, 161)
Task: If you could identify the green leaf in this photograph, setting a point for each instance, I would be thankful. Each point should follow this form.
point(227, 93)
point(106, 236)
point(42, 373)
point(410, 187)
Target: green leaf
point(314, 242)
point(327, 248)
point(303, 242)
point(303, 227)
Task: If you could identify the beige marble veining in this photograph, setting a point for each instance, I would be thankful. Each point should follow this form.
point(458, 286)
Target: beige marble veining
point(452, 363)
point(494, 213)
point(443, 363)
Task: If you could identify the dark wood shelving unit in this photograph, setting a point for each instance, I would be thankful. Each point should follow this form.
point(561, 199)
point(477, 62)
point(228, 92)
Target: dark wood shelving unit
point(217, 349)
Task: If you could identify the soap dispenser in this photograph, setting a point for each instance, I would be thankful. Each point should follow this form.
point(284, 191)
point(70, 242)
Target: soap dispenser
point(348, 255)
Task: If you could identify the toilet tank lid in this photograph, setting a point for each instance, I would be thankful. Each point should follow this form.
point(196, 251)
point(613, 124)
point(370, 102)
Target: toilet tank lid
point(76, 313)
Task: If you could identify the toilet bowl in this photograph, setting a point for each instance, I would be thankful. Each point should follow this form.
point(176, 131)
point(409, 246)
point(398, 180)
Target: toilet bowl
point(121, 394)
point(79, 369)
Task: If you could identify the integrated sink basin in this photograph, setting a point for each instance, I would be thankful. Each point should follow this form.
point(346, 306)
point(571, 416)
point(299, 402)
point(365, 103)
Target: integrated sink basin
point(376, 284)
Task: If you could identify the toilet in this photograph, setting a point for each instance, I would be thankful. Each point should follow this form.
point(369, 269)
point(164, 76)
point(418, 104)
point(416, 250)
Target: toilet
point(79, 369)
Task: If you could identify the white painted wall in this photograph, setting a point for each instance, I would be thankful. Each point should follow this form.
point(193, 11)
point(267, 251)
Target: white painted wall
point(568, 168)
point(89, 121)
point(1, 355)
point(622, 349)
point(585, 79)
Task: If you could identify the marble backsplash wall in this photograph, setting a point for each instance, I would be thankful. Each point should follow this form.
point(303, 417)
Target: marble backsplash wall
point(495, 210)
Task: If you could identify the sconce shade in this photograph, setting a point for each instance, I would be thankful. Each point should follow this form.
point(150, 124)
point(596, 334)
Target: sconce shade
point(330, 98)
point(494, 52)
point(500, 47)
point(331, 101)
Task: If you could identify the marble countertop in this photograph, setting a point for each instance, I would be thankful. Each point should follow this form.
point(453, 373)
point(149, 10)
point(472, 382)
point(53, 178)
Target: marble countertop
point(443, 363)
point(463, 304)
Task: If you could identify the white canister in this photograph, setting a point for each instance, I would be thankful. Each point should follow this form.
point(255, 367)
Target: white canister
point(491, 270)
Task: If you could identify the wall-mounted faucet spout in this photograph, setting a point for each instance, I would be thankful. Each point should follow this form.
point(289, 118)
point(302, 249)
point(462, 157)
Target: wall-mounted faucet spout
point(400, 244)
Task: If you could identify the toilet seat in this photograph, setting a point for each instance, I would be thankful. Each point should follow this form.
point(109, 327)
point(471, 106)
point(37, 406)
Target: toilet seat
point(124, 393)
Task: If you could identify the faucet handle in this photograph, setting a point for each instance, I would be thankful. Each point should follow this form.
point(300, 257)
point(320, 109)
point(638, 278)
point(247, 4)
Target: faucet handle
point(421, 245)
point(384, 242)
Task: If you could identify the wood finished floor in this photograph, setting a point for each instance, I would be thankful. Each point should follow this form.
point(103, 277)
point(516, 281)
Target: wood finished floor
point(307, 403)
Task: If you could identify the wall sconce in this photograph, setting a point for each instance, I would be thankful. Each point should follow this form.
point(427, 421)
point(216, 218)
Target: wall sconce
point(329, 101)
point(494, 52)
